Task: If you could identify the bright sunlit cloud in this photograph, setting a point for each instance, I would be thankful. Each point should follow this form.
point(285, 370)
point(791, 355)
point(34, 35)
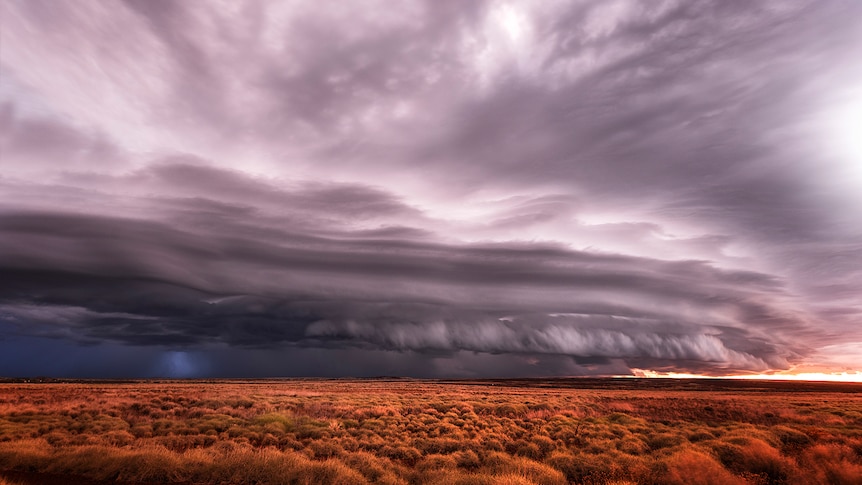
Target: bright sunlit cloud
point(807, 376)
point(848, 131)
point(846, 376)
point(840, 130)
point(513, 23)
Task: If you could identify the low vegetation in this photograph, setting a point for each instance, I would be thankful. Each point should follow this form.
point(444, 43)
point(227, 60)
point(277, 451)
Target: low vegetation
point(406, 432)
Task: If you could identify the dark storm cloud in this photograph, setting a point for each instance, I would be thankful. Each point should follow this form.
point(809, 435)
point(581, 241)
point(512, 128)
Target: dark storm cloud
point(147, 283)
point(491, 188)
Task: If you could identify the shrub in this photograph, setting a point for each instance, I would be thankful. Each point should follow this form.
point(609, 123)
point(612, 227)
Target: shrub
point(537, 472)
point(756, 458)
point(325, 449)
point(689, 467)
point(527, 449)
point(544, 443)
point(438, 446)
point(330, 472)
point(831, 463)
point(505, 479)
point(118, 438)
point(404, 454)
point(576, 468)
point(620, 418)
point(663, 440)
point(632, 446)
point(510, 410)
point(439, 477)
point(467, 459)
point(283, 422)
point(791, 439)
point(437, 462)
point(372, 468)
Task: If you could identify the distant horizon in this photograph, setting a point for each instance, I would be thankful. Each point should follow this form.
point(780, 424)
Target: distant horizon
point(434, 189)
point(810, 378)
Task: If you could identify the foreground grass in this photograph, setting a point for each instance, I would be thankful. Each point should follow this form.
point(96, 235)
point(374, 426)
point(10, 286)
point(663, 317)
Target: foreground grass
point(404, 432)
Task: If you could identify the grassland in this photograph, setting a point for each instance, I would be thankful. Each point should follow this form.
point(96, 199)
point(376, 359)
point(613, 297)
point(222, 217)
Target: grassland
point(406, 432)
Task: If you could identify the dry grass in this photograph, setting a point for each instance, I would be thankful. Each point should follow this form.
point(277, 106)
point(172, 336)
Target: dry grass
point(408, 432)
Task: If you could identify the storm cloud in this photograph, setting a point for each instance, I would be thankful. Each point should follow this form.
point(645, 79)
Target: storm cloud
point(430, 188)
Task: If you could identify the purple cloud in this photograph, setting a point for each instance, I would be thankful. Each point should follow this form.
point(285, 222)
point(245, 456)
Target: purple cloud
point(499, 188)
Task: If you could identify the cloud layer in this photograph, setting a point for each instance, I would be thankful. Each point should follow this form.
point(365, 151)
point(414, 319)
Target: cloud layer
point(432, 188)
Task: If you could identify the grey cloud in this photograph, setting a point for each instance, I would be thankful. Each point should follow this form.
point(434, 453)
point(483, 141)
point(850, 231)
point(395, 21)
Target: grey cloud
point(601, 339)
point(146, 283)
point(31, 144)
point(327, 199)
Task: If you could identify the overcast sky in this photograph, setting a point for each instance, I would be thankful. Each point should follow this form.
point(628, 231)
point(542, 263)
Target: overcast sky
point(440, 188)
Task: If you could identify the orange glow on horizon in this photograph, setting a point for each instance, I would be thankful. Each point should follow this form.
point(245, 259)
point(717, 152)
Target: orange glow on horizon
point(807, 376)
point(845, 376)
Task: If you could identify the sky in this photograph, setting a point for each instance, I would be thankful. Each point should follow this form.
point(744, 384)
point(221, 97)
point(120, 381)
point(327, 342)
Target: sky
point(430, 189)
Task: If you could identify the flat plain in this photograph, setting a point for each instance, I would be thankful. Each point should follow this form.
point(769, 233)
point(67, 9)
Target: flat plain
point(402, 431)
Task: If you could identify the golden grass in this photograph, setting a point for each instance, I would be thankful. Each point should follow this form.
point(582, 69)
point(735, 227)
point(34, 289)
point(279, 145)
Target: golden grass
point(408, 432)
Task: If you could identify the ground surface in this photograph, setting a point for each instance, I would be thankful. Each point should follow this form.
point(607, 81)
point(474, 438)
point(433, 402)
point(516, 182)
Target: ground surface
point(400, 431)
